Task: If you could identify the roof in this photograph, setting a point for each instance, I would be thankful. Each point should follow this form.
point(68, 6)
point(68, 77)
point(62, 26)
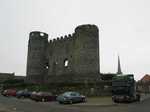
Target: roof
point(7, 74)
point(124, 77)
point(146, 78)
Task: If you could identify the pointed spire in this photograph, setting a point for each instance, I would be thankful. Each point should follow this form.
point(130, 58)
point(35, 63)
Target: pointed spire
point(119, 66)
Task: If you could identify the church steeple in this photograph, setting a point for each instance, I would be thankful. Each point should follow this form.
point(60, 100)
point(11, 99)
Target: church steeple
point(119, 66)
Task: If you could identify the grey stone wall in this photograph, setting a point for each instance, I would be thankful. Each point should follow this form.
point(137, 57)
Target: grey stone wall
point(101, 88)
point(86, 55)
point(37, 57)
point(80, 50)
point(6, 76)
point(60, 50)
point(73, 58)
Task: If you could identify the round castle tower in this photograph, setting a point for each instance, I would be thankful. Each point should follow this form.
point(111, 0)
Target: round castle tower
point(86, 55)
point(37, 62)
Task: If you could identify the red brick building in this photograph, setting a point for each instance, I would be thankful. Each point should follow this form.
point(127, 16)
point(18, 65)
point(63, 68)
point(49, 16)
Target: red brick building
point(145, 79)
point(144, 84)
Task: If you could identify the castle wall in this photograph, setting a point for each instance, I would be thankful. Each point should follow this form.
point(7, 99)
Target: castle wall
point(6, 76)
point(86, 55)
point(81, 50)
point(60, 51)
point(36, 60)
point(73, 58)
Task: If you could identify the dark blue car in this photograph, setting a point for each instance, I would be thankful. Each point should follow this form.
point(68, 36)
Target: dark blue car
point(23, 94)
point(71, 97)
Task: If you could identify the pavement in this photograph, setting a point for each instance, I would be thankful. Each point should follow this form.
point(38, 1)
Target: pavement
point(3, 108)
point(93, 104)
point(145, 96)
point(106, 101)
point(98, 101)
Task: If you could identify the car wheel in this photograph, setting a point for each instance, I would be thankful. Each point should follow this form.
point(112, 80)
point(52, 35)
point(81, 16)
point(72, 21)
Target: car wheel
point(60, 102)
point(116, 101)
point(36, 100)
point(138, 98)
point(84, 100)
point(70, 102)
point(18, 97)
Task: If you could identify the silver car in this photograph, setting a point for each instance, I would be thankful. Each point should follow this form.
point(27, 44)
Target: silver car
point(71, 97)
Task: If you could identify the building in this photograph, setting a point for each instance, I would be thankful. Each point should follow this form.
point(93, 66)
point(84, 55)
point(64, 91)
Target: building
point(145, 79)
point(6, 76)
point(144, 84)
point(73, 58)
point(20, 78)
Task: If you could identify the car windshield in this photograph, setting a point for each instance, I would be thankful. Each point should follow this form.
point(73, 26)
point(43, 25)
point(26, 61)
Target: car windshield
point(20, 91)
point(71, 94)
point(75, 94)
point(66, 94)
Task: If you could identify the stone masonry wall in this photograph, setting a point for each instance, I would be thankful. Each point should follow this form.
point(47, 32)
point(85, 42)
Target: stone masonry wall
point(73, 58)
point(81, 52)
point(36, 61)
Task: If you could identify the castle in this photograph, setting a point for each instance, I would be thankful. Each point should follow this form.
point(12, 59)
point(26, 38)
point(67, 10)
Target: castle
point(73, 58)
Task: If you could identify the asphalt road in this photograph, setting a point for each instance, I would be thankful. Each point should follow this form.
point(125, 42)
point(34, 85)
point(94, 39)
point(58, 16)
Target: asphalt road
point(25, 105)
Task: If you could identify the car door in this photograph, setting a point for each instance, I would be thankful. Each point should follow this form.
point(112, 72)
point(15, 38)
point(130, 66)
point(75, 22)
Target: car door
point(75, 97)
point(78, 97)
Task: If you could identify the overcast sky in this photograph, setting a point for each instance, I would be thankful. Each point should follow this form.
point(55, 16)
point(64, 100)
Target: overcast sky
point(124, 29)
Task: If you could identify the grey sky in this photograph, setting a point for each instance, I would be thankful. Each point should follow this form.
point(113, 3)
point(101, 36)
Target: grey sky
point(124, 28)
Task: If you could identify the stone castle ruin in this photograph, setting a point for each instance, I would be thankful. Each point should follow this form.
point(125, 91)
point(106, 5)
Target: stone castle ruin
point(73, 58)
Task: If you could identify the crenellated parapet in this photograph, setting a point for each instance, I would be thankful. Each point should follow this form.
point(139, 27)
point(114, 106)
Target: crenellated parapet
point(62, 39)
point(80, 29)
point(73, 55)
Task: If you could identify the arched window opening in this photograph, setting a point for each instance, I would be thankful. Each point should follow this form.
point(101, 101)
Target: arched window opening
point(66, 62)
point(47, 67)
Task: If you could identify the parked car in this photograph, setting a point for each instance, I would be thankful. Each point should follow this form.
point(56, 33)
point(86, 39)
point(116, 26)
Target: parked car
point(9, 92)
point(23, 94)
point(43, 96)
point(71, 97)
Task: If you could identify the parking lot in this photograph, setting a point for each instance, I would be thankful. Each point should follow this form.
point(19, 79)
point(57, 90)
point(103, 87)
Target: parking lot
point(99, 104)
point(13, 104)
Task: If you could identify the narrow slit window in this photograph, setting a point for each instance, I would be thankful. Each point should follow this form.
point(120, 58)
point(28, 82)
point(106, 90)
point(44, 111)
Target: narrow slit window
point(66, 62)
